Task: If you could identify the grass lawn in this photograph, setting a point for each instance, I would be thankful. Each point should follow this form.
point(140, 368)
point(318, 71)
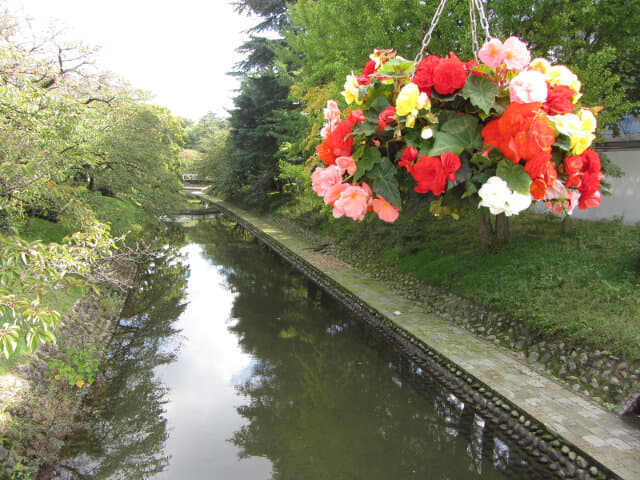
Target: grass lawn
point(123, 216)
point(582, 288)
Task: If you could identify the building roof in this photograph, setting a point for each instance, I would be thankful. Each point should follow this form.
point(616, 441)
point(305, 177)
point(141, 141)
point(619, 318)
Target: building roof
point(628, 139)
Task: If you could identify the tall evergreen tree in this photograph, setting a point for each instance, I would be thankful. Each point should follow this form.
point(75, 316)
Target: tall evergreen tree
point(263, 96)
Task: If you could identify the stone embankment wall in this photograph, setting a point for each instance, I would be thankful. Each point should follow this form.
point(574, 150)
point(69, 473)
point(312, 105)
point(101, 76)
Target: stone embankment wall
point(548, 450)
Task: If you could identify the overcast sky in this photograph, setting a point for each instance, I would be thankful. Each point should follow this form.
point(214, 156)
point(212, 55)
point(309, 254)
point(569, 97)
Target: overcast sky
point(178, 50)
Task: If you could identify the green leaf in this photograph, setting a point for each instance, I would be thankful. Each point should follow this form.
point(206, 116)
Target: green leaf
point(515, 176)
point(379, 105)
point(385, 184)
point(370, 157)
point(481, 162)
point(480, 67)
point(32, 341)
point(563, 142)
point(481, 92)
point(397, 67)
point(458, 134)
point(365, 128)
point(362, 92)
point(469, 190)
point(481, 178)
point(358, 153)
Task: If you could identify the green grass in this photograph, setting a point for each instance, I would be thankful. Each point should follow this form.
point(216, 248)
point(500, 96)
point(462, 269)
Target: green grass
point(45, 230)
point(582, 288)
point(62, 301)
point(124, 216)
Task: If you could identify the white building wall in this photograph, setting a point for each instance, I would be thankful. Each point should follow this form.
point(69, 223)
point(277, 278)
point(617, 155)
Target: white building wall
point(624, 201)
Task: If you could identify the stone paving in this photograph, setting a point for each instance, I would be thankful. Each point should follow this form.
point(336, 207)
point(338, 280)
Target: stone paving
point(601, 434)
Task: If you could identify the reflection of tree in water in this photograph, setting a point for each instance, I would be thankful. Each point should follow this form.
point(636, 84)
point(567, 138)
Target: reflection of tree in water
point(126, 438)
point(321, 402)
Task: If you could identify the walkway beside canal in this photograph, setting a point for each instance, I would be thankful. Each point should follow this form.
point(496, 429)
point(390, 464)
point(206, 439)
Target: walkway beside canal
point(600, 434)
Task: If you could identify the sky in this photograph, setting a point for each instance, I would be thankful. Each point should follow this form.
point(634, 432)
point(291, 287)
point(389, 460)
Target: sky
point(179, 51)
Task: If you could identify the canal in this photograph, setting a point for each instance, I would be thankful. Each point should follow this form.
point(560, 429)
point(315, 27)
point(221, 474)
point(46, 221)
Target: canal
point(229, 364)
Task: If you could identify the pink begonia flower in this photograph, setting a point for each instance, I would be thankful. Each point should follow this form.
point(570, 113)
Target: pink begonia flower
point(528, 87)
point(331, 112)
point(353, 202)
point(492, 53)
point(516, 54)
point(326, 130)
point(324, 178)
point(554, 196)
point(384, 209)
point(348, 164)
point(332, 116)
point(333, 193)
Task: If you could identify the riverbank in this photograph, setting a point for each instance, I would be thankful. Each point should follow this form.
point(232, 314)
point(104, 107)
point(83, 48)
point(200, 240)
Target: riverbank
point(41, 398)
point(555, 424)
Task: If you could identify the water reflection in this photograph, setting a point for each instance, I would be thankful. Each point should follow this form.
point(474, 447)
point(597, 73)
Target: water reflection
point(273, 380)
point(127, 431)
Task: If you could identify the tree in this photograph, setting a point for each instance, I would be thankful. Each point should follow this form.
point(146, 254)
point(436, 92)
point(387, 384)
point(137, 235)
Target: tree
point(207, 149)
point(252, 170)
point(138, 156)
point(65, 126)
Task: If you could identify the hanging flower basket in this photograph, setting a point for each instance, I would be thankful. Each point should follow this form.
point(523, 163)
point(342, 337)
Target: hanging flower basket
point(497, 134)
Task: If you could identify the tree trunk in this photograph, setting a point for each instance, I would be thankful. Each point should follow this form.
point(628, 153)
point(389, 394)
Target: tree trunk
point(503, 235)
point(566, 225)
point(485, 230)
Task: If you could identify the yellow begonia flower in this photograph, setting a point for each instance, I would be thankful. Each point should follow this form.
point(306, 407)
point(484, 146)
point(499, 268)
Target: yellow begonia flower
point(542, 65)
point(561, 75)
point(579, 128)
point(411, 120)
point(407, 100)
point(588, 120)
point(580, 142)
point(351, 91)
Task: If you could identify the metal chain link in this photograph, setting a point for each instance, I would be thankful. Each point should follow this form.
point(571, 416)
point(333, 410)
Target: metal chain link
point(474, 33)
point(483, 18)
point(427, 38)
point(473, 6)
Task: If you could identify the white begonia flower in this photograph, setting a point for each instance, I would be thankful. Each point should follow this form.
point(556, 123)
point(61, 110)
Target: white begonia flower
point(423, 101)
point(499, 198)
point(427, 133)
point(516, 203)
point(568, 124)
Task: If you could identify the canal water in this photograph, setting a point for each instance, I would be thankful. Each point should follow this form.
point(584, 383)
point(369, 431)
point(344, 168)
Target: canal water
point(229, 364)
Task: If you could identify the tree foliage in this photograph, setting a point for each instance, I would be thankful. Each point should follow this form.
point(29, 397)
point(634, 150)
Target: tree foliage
point(67, 128)
point(138, 156)
point(251, 170)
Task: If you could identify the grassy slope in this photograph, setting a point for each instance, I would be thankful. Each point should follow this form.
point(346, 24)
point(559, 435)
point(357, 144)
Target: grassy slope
point(123, 216)
point(580, 288)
